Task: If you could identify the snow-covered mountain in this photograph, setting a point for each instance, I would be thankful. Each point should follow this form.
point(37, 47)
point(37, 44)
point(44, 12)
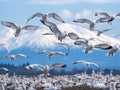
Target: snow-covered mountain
point(36, 39)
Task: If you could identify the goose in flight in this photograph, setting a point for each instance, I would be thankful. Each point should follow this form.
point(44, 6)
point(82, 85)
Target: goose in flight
point(12, 57)
point(64, 44)
point(51, 53)
point(45, 16)
point(5, 69)
point(113, 50)
point(46, 68)
point(18, 28)
point(109, 18)
point(84, 42)
point(53, 27)
point(91, 23)
point(87, 64)
point(102, 31)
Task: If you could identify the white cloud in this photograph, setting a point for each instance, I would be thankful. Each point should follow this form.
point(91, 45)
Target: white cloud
point(56, 2)
point(84, 14)
point(35, 39)
point(66, 14)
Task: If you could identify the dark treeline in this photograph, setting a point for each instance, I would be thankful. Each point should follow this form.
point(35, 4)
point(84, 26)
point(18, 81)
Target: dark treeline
point(20, 70)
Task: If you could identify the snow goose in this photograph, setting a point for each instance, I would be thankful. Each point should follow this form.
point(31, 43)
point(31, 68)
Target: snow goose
point(87, 64)
point(46, 68)
point(12, 57)
point(44, 16)
point(18, 28)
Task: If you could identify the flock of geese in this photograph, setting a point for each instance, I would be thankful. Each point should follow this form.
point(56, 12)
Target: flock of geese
point(93, 80)
point(61, 36)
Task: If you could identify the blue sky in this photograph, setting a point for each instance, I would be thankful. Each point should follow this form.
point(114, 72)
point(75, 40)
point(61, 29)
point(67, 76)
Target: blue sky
point(18, 11)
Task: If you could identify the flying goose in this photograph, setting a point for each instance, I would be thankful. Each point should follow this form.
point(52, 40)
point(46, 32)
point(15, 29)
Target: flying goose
point(84, 42)
point(51, 53)
point(5, 69)
point(46, 68)
point(53, 27)
point(64, 44)
point(91, 23)
point(109, 18)
point(45, 16)
point(18, 28)
point(113, 50)
point(12, 57)
point(87, 64)
point(101, 31)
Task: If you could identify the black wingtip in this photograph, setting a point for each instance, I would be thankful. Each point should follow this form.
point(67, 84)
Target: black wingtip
point(63, 21)
point(74, 63)
point(64, 66)
point(74, 20)
point(96, 14)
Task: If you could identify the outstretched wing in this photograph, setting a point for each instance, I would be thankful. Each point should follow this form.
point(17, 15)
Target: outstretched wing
point(61, 53)
point(9, 24)
point(73, 36)
point(103, 46)
point(5, 69)
point(22, 55)
point(55, 16)
point(30, 27)
point(41, 51)
point(35, 66)
point(53, 27)
point(95, 64)
point(117, 14)
point(57, 65)
point(104, 14)
point(76, 62)
point(35, 15)
point(102, 20)
point(102, 31)
point(112, 51)
point(83, 21)
point(64, 44)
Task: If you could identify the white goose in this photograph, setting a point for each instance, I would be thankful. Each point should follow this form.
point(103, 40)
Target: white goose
point(45, 16)
point(52, 53)
point(12, 57)
point(5, 69)
point(53, 27)
point(87, 64)
point(99, 32)
point(109, 18)
point(18, 28)
point(113, 50)
point(91, 23)
point(46, 68)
